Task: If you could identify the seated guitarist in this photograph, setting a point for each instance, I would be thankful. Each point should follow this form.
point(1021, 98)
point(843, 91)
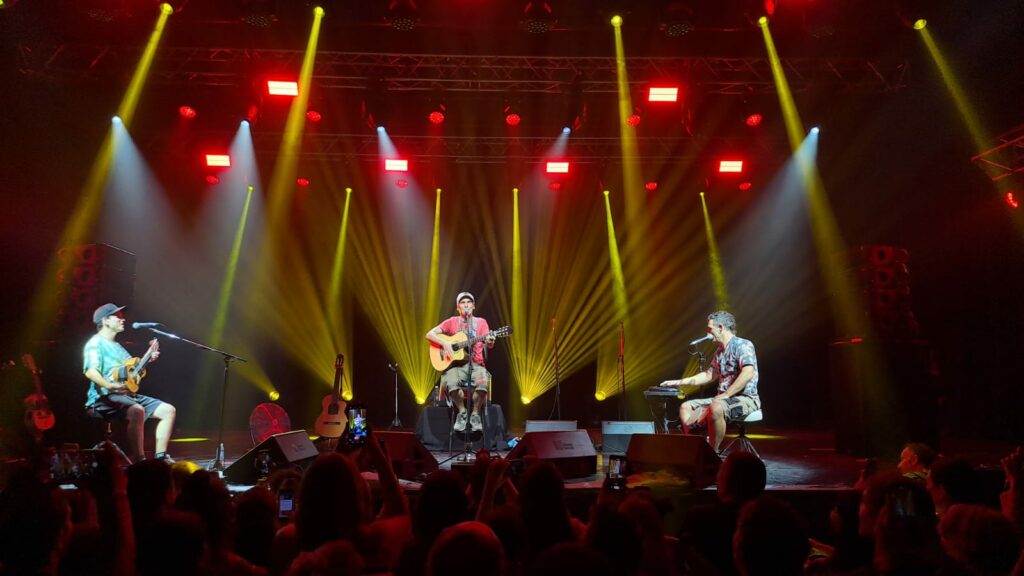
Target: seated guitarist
point(113, 399)
point(456, 374)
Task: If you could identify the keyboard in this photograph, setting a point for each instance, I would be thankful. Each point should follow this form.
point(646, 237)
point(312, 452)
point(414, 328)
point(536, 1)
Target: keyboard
point(666, 392)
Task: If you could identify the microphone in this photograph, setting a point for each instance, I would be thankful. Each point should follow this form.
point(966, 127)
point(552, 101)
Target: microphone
point(393, 367)
point(137, 325)
point(702, 340)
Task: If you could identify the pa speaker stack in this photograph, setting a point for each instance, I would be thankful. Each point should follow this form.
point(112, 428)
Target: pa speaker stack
point(571, 451)
point(288, 450)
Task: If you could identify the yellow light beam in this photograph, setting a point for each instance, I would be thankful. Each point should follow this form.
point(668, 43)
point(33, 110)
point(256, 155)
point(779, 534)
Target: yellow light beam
point(338, 266)
point(83, 216)
point(717, 274)
point(227, 286)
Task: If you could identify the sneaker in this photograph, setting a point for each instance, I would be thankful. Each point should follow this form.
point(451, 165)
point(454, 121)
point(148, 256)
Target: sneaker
point(165, 457)
point(460, 422)
point(476, 423)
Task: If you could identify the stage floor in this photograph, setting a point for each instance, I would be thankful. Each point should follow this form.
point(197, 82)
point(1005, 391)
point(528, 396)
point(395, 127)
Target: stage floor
point(795, 459)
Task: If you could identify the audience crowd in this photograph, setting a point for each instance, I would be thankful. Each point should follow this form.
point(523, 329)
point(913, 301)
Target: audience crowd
point(929, 516)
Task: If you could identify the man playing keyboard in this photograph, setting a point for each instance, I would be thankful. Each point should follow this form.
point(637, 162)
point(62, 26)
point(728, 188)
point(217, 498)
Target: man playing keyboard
point(735, 368)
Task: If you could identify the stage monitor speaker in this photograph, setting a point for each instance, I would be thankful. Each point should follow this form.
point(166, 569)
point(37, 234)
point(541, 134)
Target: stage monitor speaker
point(615, 435)
point(549, 425)
point(409, 458)
point(571, 451)
point(686, 455)
point(288, 450)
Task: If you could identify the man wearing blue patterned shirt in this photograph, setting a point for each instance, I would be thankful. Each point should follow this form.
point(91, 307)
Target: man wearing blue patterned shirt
point(108, 400)
point(735, 368)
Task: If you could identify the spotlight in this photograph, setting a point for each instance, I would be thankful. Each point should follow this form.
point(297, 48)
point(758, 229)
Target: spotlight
point(815, 130)
point(396, 165)
point(259, 13)
point(274, 395)
point(401, 183)
point(538, 17)
point(282, 88)
point(318, 11)
point(744, 186)
point(601, 396)
point(677, 20)
point(218, 160)
point(421, 400)
point(730, 166)
point(436, 115)
point(566, 130)
point(346, 396)
point(651, 186)
point(512, 117)
point(616, 20)
point(187, 111)
point(525, 399)
point(1011, 201)
point(381, 130)
point(762, 21)
point(403, 15)
point(663, 94)
point(555, 186)
point(303, 182)
point(313, 115)
point(920, 23)
point(116, 120)
point(633, 120)
point(754, 120)
point(211, 180)
point(560, 167)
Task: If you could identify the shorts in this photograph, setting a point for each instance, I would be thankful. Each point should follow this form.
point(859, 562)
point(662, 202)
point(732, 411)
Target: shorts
point(116, 405)
point(737, 407)
point(457, 375)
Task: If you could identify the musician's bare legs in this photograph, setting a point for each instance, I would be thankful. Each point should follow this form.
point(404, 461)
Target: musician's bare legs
point(165, 413)
point(478, 401)
point(136, 416)
point(457, 400)
point(716, 428)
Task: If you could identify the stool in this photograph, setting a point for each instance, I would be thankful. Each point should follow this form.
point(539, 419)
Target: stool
point(745, 445)
point(108, 435)
point(468, 388)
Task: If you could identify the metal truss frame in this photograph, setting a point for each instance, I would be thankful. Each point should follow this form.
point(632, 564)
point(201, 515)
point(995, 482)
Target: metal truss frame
point(1006, 158)
point(473, 73)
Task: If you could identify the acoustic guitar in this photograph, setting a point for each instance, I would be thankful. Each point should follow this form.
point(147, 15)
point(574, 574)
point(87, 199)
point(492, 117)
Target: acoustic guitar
point(460, 343)
point(332, 419)
point(134, 369)
point(38, 415)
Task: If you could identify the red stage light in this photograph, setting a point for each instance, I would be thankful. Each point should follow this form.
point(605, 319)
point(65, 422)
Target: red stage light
point(436, 117)
point(557, 168)
point(663, 94)
point(754, 120)
point(302, 182)
point(512, 119)
point(401, 183)
point(651, 186)
point(556, 186)
point(633, 120)
point(1011, 200)
point(314, 116)
point(746, 186)
point(396, 165)
point(211, 179)
point(187, 111)
point(730, 166)
point(282, 88)
point(218, 160)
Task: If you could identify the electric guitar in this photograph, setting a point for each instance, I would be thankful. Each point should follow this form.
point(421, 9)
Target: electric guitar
point(332, 420)
point(38, 416)
point(134, 369)
point(460, 342)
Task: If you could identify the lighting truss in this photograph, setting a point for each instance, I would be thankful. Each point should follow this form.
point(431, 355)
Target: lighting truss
point(473, 73)
point(1006, 158)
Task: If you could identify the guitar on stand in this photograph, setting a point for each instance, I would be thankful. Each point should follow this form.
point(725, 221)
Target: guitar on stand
point(38, 415)
point(332, 420)
point(134, 369)
point(460, 343)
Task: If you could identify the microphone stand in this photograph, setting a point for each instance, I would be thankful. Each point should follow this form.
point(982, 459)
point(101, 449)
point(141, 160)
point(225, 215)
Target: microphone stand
point(396, 423)
point(218, 462)
point(556, 409)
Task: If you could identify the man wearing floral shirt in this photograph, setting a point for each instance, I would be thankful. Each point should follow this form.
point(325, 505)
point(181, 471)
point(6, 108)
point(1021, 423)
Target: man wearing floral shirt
point(735, 368)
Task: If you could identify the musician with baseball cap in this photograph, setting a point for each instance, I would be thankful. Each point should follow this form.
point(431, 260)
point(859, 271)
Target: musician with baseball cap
point(109, 397)
point(474, 369)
